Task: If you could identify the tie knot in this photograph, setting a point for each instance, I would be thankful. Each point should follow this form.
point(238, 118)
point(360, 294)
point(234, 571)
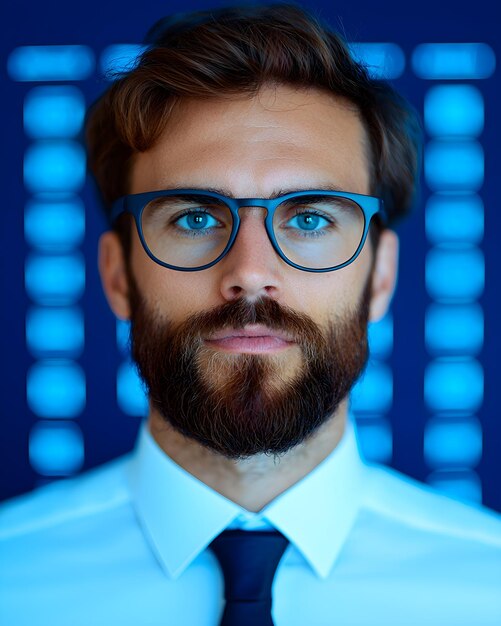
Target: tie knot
point(249, 560)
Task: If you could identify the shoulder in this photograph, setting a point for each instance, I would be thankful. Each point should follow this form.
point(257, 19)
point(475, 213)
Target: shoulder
point(404, 501)
point(94, 493)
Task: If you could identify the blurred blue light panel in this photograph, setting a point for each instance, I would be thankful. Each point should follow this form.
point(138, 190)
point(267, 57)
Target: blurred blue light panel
point(462, 485)
point(131, 396)
point(454, 330)
point(442, 61)
point(452, 442)
point(123, 333)
point(54, 166)
point(55, 332)
point(120, 58)
point(383, 60)
point(373, 393)
point(455, 218)
point(454, 110)
point(454, 385)
point(56, 389)
point(376, 439)
point(54, 225)
point(381, 337)
point(53, 112)
point(56, 448)
point(55, 280)
point(48, 63)
point(455, 275)
point(454, 165)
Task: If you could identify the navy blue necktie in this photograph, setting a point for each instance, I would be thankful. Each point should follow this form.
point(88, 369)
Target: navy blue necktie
point(249, 560)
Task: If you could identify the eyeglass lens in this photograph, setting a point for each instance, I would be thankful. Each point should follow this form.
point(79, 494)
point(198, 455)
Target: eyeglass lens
point(314, 231)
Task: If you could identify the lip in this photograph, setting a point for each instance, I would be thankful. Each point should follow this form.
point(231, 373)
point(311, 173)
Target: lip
point(251, 340)
point(254, 330)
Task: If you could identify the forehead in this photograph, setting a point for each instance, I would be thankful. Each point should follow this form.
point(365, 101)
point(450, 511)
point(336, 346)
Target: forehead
point(282, 138)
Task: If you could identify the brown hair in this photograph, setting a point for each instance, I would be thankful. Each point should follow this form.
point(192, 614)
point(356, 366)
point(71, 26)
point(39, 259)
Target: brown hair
point(237, 50)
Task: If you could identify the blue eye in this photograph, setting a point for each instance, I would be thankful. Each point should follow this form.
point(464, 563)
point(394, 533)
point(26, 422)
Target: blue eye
point(196, 220)
point(308, 221)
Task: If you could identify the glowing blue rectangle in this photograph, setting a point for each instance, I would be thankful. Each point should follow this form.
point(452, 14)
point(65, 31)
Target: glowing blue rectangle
point(54, 166)
point(56, 448)
point(56, 389)
point(454, 110)
point(376, 439)
point(455, 275)
point(455, 218)
point(54, 226)
point(120, 58)
point(381, 337)
point(123, 336)
point(442, 61)
point(382, 60)
point(454, 385)
point(464, 485)
point(453, 442)
point(373, 393)
point(55, 332)
point(53, 112)
point(47, 63)
point(131, 396)
point(454, 329)
point(454, 165)
point(55, 280)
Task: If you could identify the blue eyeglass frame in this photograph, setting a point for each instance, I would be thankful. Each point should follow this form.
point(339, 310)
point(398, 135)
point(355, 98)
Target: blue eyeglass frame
point(135, 204)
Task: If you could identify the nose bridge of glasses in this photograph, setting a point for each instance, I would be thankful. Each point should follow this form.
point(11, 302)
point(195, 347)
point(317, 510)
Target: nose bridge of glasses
point(253, 202)
point(252, 207)
point(253, 214)
point(257, 207)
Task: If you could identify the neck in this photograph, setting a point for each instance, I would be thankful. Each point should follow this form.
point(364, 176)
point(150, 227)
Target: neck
point(255, 482)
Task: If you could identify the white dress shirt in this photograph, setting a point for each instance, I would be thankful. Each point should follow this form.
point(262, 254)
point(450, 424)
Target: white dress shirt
point(126, 544)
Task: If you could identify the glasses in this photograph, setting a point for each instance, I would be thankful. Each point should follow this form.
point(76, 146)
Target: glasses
point(192, 229)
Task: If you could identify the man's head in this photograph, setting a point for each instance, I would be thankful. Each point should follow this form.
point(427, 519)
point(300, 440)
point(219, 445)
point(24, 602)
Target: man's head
point(251, 103)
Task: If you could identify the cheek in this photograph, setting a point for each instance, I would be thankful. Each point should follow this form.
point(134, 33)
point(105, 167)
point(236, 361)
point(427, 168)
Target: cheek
point(336, 293)
point(173, 294)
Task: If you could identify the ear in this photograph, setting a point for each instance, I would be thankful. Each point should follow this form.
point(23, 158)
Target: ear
point(113, 273)
point(384, 276)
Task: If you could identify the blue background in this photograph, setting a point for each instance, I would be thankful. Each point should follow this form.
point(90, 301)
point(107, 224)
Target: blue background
point(69, 399)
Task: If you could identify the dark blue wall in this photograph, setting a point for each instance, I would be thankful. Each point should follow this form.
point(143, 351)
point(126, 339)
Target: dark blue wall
point(107, 430)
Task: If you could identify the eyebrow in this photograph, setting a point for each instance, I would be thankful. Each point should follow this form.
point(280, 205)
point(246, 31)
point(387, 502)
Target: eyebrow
point(274, 194)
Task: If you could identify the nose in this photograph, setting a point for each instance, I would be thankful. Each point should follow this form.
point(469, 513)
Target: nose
point(251, 268)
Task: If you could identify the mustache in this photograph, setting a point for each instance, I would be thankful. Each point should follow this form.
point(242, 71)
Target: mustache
point(239, 313)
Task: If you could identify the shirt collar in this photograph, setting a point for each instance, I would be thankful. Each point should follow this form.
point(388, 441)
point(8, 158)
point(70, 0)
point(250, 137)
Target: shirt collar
point(180, 515)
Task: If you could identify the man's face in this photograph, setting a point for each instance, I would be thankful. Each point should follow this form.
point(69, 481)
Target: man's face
point(242, 398)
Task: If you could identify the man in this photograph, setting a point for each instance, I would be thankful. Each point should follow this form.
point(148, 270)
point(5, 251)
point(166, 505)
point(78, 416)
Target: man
point(250, 169)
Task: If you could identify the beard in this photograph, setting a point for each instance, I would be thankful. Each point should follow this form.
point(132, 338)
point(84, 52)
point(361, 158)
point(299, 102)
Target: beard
point(236, 404)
